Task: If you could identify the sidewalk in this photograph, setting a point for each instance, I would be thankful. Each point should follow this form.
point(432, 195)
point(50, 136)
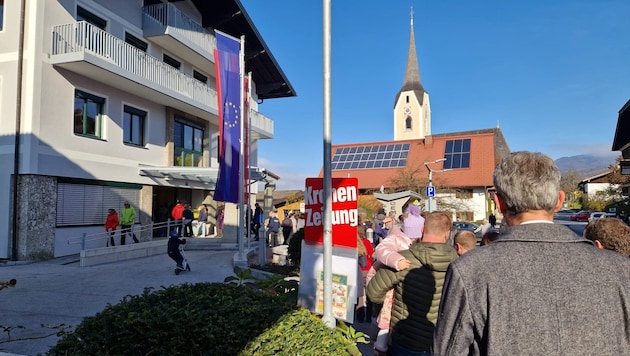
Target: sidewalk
point(58, 291)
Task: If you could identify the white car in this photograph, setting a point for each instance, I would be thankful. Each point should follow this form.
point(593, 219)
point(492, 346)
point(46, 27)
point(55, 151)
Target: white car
point(599, 214)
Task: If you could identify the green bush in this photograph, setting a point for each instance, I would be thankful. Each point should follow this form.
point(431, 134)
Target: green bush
point(206, 319)
point(301, 333)
point(199, 319)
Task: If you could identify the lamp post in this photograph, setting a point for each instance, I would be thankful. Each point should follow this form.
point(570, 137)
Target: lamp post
point(426, 164)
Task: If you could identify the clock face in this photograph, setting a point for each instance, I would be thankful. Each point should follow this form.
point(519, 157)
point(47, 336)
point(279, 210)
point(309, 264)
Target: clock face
point(407, 110)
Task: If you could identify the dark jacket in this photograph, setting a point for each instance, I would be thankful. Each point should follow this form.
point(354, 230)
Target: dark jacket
point(417, 293)
point(173, 244)
point(538, 290)
point(188, 214)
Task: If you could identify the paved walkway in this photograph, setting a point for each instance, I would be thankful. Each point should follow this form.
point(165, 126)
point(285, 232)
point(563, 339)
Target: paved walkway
point(59, 291)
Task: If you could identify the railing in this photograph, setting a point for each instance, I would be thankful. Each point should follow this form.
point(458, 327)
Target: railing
point(138, 230)
point(85, 37)
point(169, 15)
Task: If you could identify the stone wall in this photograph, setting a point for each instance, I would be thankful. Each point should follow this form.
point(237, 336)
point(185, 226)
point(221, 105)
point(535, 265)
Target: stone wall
point(36, 217)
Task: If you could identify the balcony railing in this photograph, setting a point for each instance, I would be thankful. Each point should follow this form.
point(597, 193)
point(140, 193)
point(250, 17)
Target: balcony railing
point(168, 15)
point(84, 37)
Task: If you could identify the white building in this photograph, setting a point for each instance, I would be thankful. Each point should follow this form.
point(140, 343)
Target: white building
point(103, 101)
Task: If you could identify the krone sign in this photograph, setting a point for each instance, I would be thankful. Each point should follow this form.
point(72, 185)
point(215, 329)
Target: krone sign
point(344, 215)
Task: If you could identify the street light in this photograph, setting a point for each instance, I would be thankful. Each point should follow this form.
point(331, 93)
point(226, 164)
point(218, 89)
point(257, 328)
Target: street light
point(426, 164)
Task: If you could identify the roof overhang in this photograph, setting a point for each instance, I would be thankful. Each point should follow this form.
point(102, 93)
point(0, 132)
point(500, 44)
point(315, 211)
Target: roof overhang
point(229, 16)
point(200, 174)
point(622, 132)
point(396, 196)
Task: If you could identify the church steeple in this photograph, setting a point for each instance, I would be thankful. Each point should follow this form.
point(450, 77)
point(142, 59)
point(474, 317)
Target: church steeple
point(412, 110)
point(412, 81)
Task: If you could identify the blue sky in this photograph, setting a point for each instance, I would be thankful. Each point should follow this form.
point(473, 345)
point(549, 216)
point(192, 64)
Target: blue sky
point(552, 74)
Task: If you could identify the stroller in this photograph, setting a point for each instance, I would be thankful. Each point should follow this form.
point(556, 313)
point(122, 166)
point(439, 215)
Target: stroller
point(176, 252)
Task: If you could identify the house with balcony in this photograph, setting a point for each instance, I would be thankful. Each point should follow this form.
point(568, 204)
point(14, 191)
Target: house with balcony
point(103, 102)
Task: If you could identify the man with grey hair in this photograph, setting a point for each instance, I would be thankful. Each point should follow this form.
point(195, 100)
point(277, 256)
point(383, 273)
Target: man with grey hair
point(538, 296)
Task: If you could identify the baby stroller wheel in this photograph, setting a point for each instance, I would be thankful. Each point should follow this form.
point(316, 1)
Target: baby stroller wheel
point(188, 268)
point(178, 271)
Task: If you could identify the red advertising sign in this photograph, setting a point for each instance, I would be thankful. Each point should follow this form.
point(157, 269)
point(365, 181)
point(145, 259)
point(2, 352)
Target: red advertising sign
point(344, 214)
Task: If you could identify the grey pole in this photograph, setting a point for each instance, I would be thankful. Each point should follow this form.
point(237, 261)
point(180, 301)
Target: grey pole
point(430, 185)
point(328, 317)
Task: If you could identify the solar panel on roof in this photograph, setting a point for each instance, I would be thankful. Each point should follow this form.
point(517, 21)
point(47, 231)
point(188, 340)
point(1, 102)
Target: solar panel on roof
point(371, 156)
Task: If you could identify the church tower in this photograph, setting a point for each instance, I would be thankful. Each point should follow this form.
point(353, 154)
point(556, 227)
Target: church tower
point(412, 111)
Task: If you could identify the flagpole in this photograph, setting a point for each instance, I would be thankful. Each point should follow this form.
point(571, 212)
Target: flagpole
point(249, 155)
point(241, 163)
point(328, 317)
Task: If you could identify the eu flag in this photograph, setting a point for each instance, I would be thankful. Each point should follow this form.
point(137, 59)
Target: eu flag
point(228, 74)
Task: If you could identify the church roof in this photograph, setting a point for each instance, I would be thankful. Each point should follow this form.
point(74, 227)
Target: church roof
point(412, 81)
point(487, 147)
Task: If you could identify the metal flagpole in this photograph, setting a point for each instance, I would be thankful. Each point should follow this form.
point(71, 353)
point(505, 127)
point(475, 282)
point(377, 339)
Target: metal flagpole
point(241, 162)
point(249, 157)
point(328, 317)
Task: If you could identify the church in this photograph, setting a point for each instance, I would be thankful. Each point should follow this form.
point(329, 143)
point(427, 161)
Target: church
point(460, 163)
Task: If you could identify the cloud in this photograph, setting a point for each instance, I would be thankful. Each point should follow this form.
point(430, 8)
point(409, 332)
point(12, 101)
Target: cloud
point(602, 150)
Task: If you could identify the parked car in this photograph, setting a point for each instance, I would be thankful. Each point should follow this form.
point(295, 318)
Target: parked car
point(580, 216)
point(599, 214)
point(461, 225)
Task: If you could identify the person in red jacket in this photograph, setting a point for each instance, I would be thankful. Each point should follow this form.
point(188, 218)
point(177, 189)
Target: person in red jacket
point(178, 214)
point(111, 224)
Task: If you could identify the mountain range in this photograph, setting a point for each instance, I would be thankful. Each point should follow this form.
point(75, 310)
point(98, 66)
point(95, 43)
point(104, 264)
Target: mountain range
point(586, 165)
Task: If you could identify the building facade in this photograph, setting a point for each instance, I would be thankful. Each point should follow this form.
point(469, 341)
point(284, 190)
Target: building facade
point(106, 101)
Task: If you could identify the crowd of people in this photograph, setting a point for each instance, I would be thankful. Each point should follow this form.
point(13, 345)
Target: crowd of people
point(531, 287)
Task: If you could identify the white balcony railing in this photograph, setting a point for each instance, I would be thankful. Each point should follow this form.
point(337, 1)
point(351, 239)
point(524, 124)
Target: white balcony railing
point(84, 37)
point(177, 21)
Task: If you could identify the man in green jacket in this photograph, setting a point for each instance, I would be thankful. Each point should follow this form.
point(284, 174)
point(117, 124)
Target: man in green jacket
point(417, 288)
point(127, 219)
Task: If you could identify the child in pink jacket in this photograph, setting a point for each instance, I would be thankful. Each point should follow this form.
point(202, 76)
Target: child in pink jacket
point(386, 253)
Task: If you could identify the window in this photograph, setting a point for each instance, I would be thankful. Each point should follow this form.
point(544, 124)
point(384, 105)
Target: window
point(188, 142)
point(408, 123)
point(200, 77)
point(464, 194)
point(457, 154)
point(84, 15)
point(88, 110)
point(87, 204)
point(1, 13)
point(172, 61)
point(136, 42)
point(133, 126)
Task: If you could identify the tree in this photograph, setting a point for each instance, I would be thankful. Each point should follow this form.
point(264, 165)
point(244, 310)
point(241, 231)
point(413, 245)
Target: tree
point(569, 184)
point(409, 178)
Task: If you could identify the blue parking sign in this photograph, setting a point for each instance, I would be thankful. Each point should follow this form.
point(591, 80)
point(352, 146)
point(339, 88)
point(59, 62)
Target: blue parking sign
point(430, 191)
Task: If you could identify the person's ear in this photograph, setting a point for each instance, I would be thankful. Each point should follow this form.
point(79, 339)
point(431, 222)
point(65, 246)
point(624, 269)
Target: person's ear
point(499, 202)
point(599, 245)
point(560, 202)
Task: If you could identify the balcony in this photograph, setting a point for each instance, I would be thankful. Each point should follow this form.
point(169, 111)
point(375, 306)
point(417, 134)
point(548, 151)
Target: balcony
point(89, 51)
point(169, 28)
point(262, 126)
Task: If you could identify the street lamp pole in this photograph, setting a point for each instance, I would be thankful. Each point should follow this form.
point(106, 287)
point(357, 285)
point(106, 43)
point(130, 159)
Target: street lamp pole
point(426, 164)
